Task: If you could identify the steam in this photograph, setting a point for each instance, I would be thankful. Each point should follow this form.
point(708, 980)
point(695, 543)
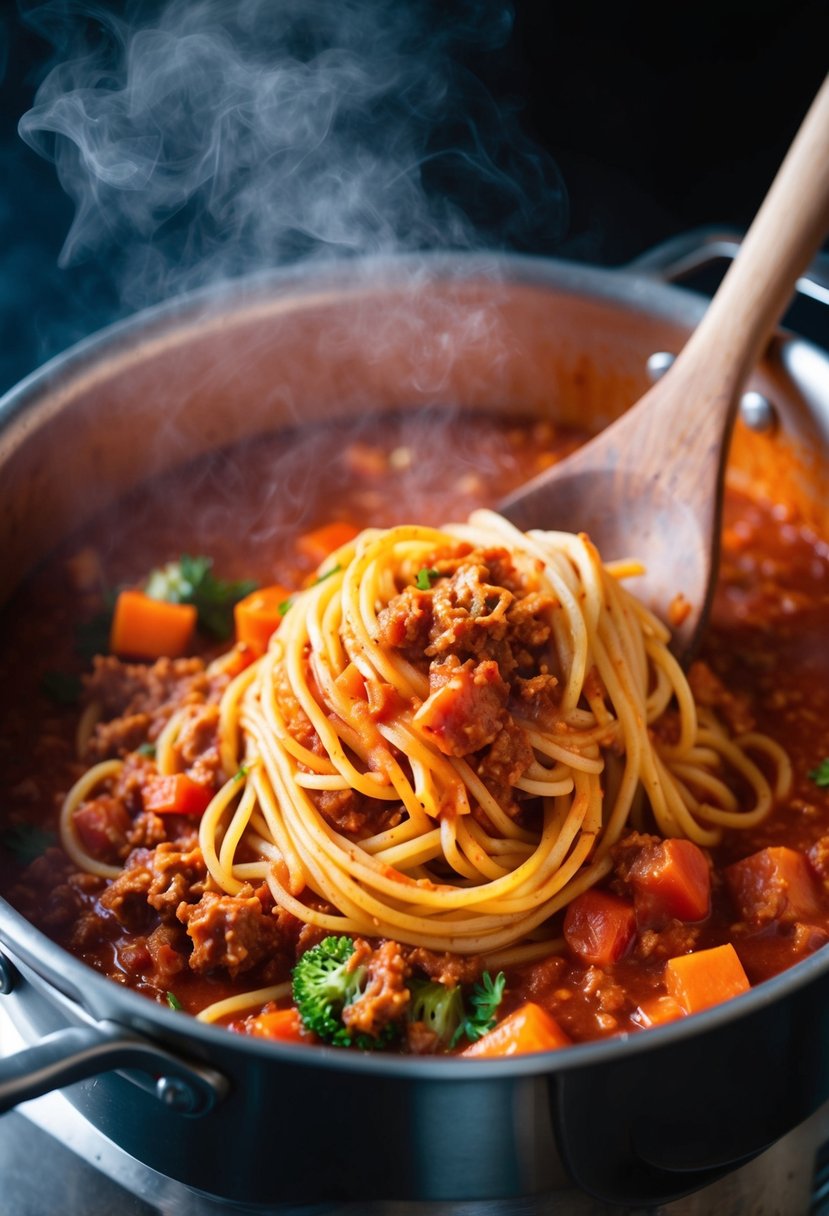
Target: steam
point(218, 137)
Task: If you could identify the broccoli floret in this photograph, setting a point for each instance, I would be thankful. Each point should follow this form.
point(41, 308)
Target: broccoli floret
point(438, 1006)
point(323, 985)
point(444, 1011)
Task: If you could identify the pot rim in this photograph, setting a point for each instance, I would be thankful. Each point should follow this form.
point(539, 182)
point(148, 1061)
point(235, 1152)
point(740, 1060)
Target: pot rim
point(125, 339)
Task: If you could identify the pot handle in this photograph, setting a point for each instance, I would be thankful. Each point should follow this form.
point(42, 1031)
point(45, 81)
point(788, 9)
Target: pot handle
point(689, 252)
point(78, 1052)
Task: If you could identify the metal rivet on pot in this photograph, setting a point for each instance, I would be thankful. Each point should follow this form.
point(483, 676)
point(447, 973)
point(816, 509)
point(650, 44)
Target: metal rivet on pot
point(757, 412)
point(6, 976)
point(658, 363)
point(176, 1095)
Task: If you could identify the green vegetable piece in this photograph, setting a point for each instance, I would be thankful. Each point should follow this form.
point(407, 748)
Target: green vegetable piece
point(439, 1006)
point(425, 577)
point(327, 574)
point(173, 1001)
point(323, 986)
point(25, 842)
point(62, 686)
point(241, 772)
point(147, 749)
point(820, 775)
point(190, 580)
point(485, 999)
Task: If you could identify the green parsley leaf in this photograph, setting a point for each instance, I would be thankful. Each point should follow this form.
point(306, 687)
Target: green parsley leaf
point(820, 775)
point(284, 606)
point(147, 749)
point(62, 686)
point(25, 841)
point(424, 578)
point(485, 999)
point(190, 580)
point(173, 1001)
point(243, 771)
point(322, 577)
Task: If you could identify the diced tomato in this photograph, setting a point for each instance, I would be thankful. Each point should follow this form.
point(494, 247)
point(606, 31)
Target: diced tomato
point(102, 826)
point(282, 1024)
point(599, 927)
point(706, 977)
point(176, 794)
point(322, 541)
point(658, 1011)
point(774, 884)
point(528, 1029)
point(672, 879)
point(259, 615)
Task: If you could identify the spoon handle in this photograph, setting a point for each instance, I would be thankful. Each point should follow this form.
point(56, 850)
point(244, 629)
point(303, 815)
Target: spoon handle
point(785, 234)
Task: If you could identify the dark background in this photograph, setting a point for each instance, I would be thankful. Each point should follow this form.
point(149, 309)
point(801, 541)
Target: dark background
point(660, 119)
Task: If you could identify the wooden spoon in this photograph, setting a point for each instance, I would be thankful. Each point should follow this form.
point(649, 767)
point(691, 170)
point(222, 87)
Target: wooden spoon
point(650, 486)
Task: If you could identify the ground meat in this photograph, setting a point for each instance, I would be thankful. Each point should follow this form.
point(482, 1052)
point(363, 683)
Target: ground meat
point(504, 763)
point(229, 931)
point(168, 948)
point(160, 879)
point(449, 969)
point(669, 940)
point(466, 707)
point(136, 699)
point(626, 853)
point(404, 622)
point(197, 745)
point(385, 997)
point(178, 875)
point(126, 895)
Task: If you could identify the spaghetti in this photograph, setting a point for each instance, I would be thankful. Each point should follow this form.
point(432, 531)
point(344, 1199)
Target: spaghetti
point(497, 708)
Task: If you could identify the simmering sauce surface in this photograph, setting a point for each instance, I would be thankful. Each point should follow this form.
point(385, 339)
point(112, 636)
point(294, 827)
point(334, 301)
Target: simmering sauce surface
point(766, 649)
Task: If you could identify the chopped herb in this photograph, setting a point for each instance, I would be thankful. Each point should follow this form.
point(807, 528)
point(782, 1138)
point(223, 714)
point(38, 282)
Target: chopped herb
point(284, 606)
point(148, 750)
point(190, 580)
point(322, 577)
point(244, 769)
point(820, 775)
point(62, 686)
point(425, 577)
point(25, 841)
point(485, 999)
point(173, 1001)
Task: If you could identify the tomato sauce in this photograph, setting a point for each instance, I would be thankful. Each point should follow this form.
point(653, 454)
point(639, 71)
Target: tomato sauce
point(248, 508)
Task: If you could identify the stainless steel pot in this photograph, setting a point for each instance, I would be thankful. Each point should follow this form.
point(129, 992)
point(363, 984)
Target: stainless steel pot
point(635, 1121)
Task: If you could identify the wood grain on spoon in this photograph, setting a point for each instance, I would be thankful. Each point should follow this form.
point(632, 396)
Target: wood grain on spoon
point(650, 486)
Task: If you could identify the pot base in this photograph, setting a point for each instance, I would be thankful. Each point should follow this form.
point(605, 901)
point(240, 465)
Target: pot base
point(79, 1169)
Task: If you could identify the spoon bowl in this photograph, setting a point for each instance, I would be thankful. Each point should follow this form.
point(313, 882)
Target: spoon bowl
point(650, 486)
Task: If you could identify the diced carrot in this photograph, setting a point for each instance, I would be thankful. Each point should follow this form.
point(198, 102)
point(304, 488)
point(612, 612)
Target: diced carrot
point(599, 927)
point(176, 794)
point(322, 541)
point(144, 628)
point(673, 879)
point(658, 1011)
point(259, 615)
point(706, 977)
point(529, 1028)
point(774, 884)
point(282, 1024)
